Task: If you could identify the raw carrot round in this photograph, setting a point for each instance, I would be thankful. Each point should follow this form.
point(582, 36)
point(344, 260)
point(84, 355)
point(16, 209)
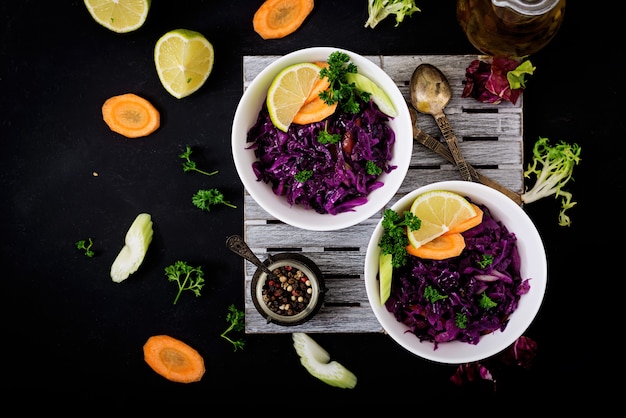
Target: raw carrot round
point(314, 111)
point(278, 18)
point(320, 85)
point(440, 248)
point(130, 115)
point(468, 223)
point(173, 359)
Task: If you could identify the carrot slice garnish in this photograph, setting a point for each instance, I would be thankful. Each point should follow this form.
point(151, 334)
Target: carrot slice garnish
point(440, 248)
point(468, 223)
point(173, 359)
point(278, 18)
point(130, 115)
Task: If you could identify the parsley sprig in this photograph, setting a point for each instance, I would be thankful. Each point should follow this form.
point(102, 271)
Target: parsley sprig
point(190, 165)
point(394, 239)
point(235, 318)
point(340, 90)
point(86, 247)
point(204, 199)
point(186, 276)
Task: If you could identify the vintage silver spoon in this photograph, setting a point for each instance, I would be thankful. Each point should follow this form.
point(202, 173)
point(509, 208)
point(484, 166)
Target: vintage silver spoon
point(430, 93)
point(433, 144)
point(237, 245)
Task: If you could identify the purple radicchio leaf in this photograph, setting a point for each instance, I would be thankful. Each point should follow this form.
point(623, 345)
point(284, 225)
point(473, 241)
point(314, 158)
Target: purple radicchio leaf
point(487, 82)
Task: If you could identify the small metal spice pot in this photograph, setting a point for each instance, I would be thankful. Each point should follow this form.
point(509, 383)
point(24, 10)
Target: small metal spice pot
point(295, 293)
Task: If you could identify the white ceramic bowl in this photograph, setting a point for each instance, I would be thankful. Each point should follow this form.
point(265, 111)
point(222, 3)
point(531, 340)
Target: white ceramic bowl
point(533, 265)
point(246, 116)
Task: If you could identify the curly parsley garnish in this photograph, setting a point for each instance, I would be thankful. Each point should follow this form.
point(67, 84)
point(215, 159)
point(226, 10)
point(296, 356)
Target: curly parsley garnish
point(186, 276)
point(341, 91)
point(204, 199)
point(394, 239)
point(432, 295)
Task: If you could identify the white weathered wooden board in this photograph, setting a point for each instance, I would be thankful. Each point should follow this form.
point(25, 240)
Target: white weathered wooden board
point(490, 138)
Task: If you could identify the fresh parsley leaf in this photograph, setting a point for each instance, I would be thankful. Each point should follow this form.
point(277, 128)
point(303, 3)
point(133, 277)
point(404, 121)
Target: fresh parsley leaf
point(461, 320)
point(235, 318)
point(372, 168)
point(187, 278)
point(486, 302)
point(86, 247)
point(394, 239)
point(340, 90)
point(432, 295)
point(190, 165)
point(303, 175)
point(204, 199)
point(324, 137)
point(487, 260)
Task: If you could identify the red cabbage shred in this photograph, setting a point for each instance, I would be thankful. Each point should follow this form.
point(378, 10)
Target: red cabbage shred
point(340, 180)
point(463, 281)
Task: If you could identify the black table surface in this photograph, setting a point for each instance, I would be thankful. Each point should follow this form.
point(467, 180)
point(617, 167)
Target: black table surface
point(69, 330)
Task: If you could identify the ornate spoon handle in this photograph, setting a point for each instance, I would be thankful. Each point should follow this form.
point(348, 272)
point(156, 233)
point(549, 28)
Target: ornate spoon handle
point(433, 144)
point(453, 144)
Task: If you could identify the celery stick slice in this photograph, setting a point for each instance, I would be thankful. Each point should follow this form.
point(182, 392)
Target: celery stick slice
point(316, 360)
point(130, 257)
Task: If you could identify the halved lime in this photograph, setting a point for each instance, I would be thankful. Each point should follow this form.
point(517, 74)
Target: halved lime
point(184, 60)
point(119, 15)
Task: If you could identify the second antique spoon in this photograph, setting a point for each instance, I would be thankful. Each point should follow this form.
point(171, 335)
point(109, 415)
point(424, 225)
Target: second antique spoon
point(430, 93)
point(236, 244)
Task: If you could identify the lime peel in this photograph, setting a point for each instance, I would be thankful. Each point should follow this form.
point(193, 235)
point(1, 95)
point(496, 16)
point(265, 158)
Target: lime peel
point(379, 96)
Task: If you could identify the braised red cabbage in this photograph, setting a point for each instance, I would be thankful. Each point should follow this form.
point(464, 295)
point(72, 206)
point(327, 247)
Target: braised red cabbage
point(341, 174)
point(462, 281)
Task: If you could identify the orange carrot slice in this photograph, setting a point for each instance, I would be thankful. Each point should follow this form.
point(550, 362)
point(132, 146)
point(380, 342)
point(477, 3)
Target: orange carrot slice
point(278, 18)
point(314, 111)
point(320, 85)
point(468, 223)
point(130, 115)
point(440, 248)
point(173, 359)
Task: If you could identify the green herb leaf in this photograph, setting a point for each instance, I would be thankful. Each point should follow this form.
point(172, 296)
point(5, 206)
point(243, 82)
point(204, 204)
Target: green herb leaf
point(303, 175)
point(461, 320)
point(187, 278)
point(394, 239)
point(486, 302)
point(204, 199)
point(372, 168)
point(86, 247)
point(432, 295)
point(190, 165)
point(340, 90)
point(487, 260)
point(235, 318)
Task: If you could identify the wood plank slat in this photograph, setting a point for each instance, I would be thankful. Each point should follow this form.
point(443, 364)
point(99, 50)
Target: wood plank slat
point(491, 138)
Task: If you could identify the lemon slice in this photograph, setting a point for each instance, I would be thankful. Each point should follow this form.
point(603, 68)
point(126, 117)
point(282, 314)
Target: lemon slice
point(183, 60)
point(439, 210)
point(119, 15)
point(379, 96)
point(288, 92)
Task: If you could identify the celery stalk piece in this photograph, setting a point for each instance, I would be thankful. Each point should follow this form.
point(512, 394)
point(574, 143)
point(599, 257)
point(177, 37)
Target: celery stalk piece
point(316, 360)
point(138, 238)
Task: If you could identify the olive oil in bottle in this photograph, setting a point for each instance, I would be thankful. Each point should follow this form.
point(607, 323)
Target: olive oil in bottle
point(510, 28)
